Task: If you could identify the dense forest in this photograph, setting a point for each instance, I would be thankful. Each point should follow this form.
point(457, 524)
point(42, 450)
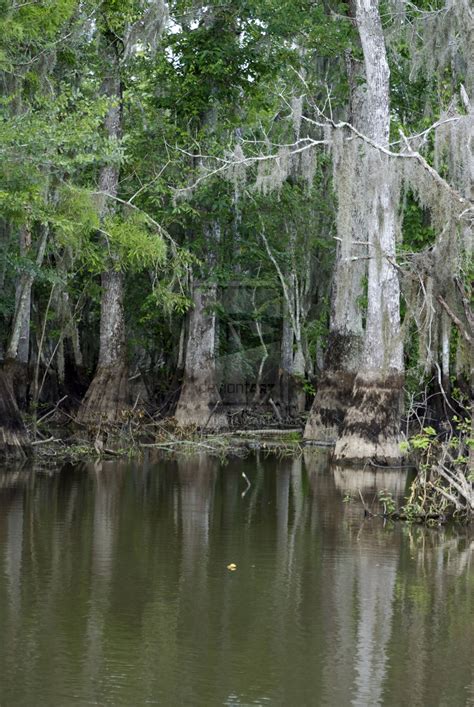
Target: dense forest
point(239, 213)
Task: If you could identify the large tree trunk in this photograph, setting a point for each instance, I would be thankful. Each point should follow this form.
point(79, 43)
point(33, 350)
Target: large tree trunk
point(343, 355)
point(13, 436)
point(292, 367)
point(108, 394)
point(346, 332)
point(445, 336)
point(19, 344)
point(292, 370)
point(18, 349)
point(200, 402)
point(372, 423)
point(286, 359)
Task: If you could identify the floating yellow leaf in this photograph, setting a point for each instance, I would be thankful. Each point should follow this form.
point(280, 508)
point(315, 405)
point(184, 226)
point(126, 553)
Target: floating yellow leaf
point(232, 567)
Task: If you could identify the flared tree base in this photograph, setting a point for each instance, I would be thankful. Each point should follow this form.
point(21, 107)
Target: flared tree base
point(333, 397)
point(14, 442)
point(200, 406)
point(107, 400)
point(19, 377)
point(372, 424)
point(292, 397)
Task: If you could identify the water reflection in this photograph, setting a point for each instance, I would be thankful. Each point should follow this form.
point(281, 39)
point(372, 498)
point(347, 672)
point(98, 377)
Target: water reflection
point(107, 480)
point(369, 481)
point(114, 588)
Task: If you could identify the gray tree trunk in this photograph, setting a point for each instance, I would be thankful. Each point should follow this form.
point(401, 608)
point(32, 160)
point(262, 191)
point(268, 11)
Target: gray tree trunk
point(344, 350)
point(200, 402)
point(293, 364)
point(445, 336)
point(286, 358)
point(108, 393)
point(18, 349)
point(346, 332)
point(372, 423)
point(13, 436)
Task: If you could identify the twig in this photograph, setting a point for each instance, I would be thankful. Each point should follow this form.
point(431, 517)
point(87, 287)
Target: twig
point(275, 410)
point(246, 478)
point(51, 411)
point(44, 441)
point(208, 419)
point(367, 511)
point(455, 319)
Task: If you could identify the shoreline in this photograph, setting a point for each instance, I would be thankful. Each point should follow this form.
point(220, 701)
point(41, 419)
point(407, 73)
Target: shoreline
point(51, 453)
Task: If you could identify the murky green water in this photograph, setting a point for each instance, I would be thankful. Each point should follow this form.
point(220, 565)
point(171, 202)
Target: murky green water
point(114, 589)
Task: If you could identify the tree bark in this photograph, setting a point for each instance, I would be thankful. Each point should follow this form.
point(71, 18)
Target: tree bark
point(346, 332)
point(19, 345)
point(372, 422)
point(445, 336)
point(343, 354)
point(18, 350)
point(108, 393)
point(293, 366)
point(200, 402)
point(13, 436)
point(286, 358)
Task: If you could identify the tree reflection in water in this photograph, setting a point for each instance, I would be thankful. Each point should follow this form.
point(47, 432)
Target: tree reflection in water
point(114, 587)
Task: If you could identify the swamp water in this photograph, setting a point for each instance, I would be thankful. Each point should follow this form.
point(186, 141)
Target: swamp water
point(114, 588)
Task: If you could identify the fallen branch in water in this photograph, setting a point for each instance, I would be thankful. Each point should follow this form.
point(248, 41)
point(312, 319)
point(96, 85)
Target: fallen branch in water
point(367, 511)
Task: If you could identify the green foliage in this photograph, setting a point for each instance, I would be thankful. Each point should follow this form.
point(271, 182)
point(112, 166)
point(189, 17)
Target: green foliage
point(386, 499)
point(443, 486)
point(423, 440)
point(417, 231)
point(76, 216)
point(305, 384)
point(224, 78)
point(131, 243)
